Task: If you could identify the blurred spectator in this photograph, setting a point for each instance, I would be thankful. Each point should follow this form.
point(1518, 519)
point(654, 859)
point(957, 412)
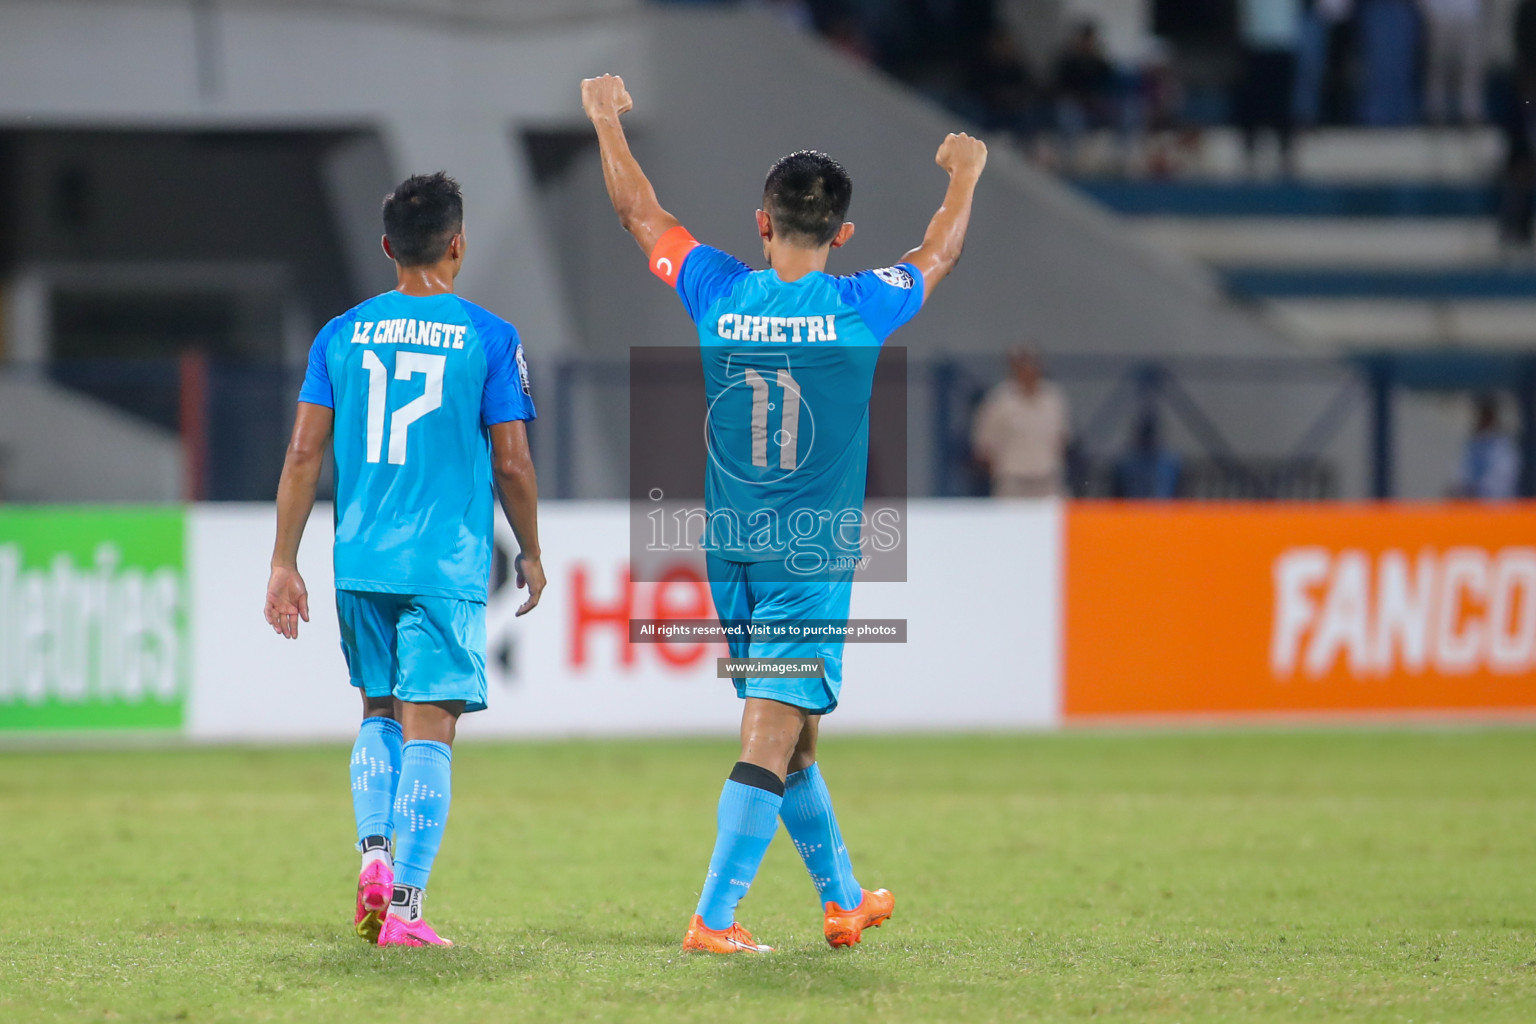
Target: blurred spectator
point(1516, 208)
point(1454, 65)
point(1147, 470)
point(793, 12)
point(1085, 85)
point(1004, 88)
point(1020, 431)
point(844, 32)
point(1321, 25)
point(1525, 39)
point(1389, 49)
point(1490, 465)
point(1171, 142)
point(1270, 31)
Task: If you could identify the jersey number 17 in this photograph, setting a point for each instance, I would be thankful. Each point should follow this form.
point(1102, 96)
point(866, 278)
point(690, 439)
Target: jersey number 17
point(407, 365)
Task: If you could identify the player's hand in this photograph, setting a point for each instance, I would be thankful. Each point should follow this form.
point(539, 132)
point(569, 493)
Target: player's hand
point(604, 96)
point(287, 602)
point(961, 154)
point(530, 574)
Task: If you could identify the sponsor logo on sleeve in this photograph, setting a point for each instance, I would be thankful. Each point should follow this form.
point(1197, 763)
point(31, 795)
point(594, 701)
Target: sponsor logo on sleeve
point(895, 277)
point(522, 371)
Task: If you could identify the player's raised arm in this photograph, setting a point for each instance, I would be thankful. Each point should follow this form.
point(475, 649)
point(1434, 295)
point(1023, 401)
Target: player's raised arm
point(605, 99)
point(287, 597)
point(963, 158)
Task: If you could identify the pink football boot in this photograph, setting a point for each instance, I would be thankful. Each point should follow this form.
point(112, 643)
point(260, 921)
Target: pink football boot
point(400, 932)
point(374, 886)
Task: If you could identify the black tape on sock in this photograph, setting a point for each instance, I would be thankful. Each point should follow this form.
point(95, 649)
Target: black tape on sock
point(757, 777)
point(406, 902)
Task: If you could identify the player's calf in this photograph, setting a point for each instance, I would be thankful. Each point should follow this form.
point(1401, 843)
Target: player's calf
point(375, 768)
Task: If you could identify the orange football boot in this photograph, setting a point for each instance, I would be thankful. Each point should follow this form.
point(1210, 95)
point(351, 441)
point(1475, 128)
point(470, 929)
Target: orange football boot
point(735, 939)
point(846, 927)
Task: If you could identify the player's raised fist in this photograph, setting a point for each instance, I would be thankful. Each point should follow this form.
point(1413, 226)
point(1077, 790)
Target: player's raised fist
point(961, 153)
point(604, 96)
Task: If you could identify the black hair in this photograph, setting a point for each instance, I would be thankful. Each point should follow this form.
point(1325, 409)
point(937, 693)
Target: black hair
point(807, 195)
point(421, 216)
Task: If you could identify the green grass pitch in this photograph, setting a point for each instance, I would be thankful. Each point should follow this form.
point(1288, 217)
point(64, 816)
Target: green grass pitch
point(1306, 876)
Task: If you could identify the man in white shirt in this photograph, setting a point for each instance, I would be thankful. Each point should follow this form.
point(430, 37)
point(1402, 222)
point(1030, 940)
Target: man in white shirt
point(1020, 432)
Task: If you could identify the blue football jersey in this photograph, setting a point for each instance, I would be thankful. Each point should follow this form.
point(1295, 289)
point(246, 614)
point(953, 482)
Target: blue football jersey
point(416, 381)
point(789, 368)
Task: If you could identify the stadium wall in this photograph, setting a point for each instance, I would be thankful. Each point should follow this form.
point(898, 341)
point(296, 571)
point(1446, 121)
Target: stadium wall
point(1020, 615)
point(568, 669)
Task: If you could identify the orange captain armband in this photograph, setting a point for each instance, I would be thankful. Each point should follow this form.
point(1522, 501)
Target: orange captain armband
point(671, 249)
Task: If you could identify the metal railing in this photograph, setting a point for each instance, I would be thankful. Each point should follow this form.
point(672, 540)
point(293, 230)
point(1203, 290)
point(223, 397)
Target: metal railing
point(1123, 389)
point(234, 418)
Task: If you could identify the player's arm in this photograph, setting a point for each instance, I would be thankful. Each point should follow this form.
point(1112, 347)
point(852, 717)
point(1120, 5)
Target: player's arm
point(605, 99)
point(518, 488)
point(287, 598)
point(963, 158)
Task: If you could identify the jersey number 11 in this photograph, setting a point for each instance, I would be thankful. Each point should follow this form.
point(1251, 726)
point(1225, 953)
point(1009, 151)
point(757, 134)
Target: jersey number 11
point(788, 436)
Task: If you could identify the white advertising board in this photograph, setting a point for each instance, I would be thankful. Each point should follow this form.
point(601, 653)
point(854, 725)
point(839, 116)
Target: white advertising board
point(981, 603)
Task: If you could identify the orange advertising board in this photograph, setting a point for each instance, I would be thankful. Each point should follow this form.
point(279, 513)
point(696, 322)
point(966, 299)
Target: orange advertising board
point(1212, 609)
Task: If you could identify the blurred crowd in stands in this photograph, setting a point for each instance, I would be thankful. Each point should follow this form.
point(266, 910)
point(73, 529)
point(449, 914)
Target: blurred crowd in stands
point(1033, 69)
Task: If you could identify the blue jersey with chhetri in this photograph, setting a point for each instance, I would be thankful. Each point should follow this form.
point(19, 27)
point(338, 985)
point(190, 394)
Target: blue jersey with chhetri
point(415, 382)
point(789, 367)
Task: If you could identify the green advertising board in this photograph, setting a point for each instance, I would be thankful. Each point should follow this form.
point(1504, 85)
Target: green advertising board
point(93, 618)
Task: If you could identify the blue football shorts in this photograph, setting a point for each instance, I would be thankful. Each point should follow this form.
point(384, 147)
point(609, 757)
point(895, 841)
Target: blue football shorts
point(758, 592)
point(414, 648)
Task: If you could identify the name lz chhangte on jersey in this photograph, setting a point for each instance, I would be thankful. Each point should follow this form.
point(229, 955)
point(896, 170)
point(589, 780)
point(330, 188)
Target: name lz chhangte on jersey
point(408, 332)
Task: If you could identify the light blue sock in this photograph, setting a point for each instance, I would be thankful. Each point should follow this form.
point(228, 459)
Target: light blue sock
point(811, 823)
point(747, 819)
point(375, 770)
point(421, 809)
